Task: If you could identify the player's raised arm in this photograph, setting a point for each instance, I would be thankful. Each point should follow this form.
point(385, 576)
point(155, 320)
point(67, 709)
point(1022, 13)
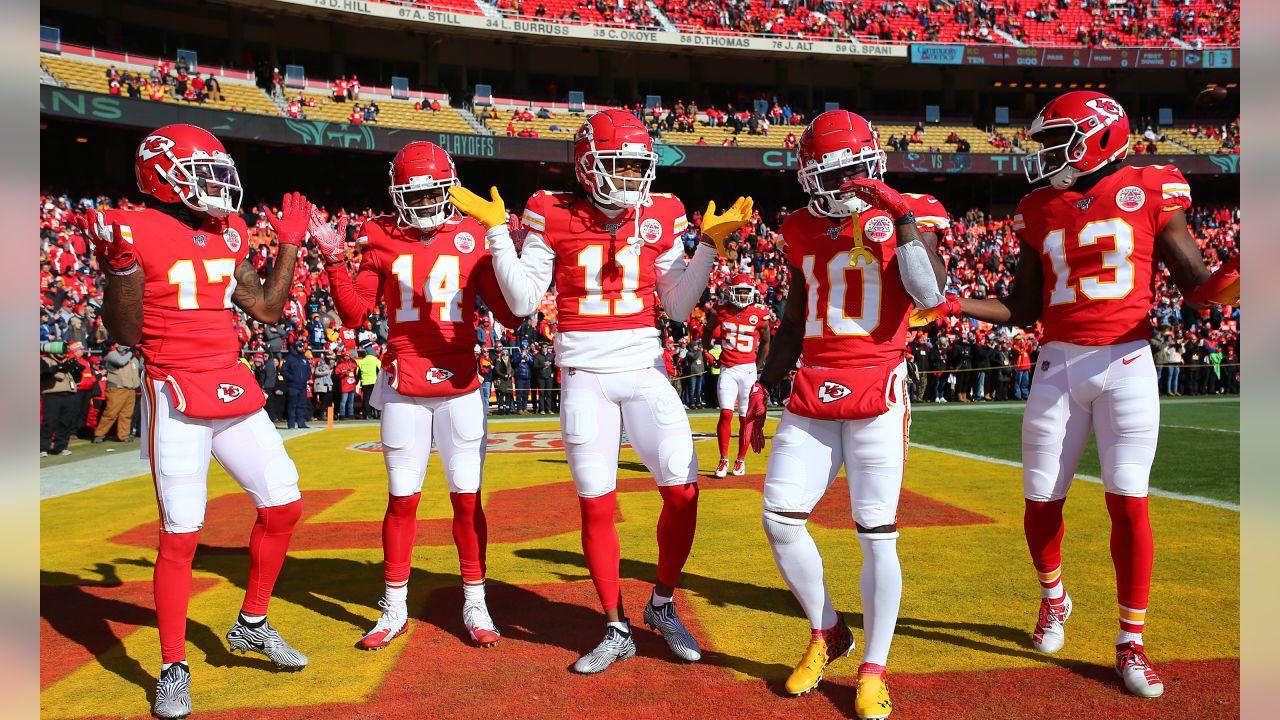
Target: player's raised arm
point(264, 301)
point(524, 277)
point(680, 285)
point(924, 276)
point(355, 301)
point(122, 299)
point(1020, 308)
point(1182, 256)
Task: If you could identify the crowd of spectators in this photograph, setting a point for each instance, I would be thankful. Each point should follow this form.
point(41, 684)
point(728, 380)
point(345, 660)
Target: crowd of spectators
point(165, 80)
point(1102, 23)
point(308, 363)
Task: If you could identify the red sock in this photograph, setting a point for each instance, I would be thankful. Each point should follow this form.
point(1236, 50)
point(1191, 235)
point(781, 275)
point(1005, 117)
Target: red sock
point(470, 534)
point(724, 431)
point(1042, 523)
point(600, 547)
point(676, 526)
point(1132, 552)
point(399, 528)
point(268, 545)
point(171, 586)
point(744, 432)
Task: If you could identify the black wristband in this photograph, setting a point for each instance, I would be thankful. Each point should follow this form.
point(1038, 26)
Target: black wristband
point(908, 219)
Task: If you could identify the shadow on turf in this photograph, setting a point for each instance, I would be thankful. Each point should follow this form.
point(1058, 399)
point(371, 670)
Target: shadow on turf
point(85, 619)
point(771, 599)
point(630, 465)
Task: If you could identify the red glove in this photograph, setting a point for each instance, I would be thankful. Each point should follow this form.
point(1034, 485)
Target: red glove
point(947, 308)
point(756, 412)
point(879, 196)
point(295, 215)
point(115, 254)
point(1222, 287)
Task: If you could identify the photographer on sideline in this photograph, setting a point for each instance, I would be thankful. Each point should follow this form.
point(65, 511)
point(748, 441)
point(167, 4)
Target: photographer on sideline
point(60, 373)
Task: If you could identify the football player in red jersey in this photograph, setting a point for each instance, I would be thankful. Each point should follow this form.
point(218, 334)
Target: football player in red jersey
point(1092, 234)
point(744, 343)
point(614, 250)
point(860, 256)
point(429, 263)
point(174, 273)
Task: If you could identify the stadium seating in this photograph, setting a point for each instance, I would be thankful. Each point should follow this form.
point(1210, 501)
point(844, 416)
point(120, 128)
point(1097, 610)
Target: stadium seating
point(89, 75)
point(393, 113)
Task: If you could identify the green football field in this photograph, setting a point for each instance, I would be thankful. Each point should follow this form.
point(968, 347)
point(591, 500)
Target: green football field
point(1199, 452)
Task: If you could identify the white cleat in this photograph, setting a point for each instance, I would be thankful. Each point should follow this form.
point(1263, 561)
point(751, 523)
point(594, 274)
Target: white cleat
point(393, 623)
point(740, 466)
point(1050, 634)
point(1139, 677)
point(475, 617)
point(723, 468)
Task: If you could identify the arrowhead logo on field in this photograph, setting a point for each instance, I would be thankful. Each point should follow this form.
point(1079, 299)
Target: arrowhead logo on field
point(229, 393)
point(832, 391)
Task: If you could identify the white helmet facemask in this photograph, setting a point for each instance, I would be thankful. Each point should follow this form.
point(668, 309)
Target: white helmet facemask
point(206, 182)
point(613, 188)
point(823, 180)
point(430, 215)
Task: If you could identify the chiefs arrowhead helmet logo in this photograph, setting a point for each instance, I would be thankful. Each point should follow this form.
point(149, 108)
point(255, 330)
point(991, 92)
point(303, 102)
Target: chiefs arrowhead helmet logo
point(154, 145)
point(229, 393)
point(436, 375)
point(832, 391)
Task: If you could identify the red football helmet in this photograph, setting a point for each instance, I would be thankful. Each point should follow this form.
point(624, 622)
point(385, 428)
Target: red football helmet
point(606, 140)
point(1099, 135)
point(836, 147)
point(188, 164)
point(742, 291)
point(418, 170)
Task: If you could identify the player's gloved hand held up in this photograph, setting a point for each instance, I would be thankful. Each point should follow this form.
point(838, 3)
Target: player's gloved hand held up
point(330, 243)
point(719, 227)
point(489, 213)
point(756, 413)
point(879, 196)
point(1222, 287)
point(295, 215)
point(115, 254)
point(947, 308)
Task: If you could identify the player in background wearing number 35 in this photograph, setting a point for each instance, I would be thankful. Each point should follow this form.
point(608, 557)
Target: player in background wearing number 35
point(429, 263)
point(174, 271)
point(743, 325)
point(613, 250)
point(1099, 230)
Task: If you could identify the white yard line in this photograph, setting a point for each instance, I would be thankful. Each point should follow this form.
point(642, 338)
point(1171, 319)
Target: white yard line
point(1197, 427)
point(1155, 492)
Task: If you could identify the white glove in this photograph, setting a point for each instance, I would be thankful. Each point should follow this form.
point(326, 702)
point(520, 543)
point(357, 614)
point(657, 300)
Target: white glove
point(331, 243)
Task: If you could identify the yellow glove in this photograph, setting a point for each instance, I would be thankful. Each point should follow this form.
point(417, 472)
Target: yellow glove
point(489, 213)
point(718, 227)
point(925, 316)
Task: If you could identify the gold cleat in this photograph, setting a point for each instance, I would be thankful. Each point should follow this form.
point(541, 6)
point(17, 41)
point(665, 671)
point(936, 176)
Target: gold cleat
point(873, 701)
point(823, 650)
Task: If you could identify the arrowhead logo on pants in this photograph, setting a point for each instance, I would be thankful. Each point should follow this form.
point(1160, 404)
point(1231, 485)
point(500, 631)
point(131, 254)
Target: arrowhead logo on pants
point(229, 393)
point(832, 391)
